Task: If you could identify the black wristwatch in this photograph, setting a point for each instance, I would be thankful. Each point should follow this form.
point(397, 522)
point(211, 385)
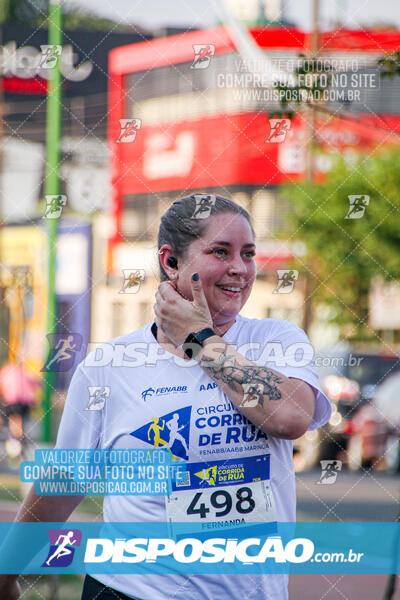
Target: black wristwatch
point(194, 341)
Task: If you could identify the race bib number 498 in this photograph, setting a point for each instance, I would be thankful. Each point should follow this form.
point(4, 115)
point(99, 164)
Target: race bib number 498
point(230, 492)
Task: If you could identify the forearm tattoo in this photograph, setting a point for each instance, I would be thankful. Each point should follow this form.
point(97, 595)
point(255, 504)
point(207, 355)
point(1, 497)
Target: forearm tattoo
point(258, 383)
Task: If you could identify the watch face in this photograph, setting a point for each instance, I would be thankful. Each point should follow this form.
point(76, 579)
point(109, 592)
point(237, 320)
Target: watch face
point(194, 342)
point(192, 339)
point(191, 346)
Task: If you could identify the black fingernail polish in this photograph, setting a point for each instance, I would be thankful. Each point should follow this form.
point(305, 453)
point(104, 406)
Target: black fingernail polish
point(195, 276)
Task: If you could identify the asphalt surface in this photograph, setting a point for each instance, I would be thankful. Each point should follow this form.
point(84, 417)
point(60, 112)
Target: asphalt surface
point(340, 587)
point(361, 496)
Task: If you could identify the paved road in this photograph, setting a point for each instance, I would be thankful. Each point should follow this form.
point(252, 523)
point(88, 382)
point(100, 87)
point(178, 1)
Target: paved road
point(359, 496)
point(339, 587)
point(353, 497)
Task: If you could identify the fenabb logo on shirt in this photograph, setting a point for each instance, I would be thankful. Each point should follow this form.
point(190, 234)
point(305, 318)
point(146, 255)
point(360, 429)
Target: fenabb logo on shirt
point(170, 431)
point(163, 391)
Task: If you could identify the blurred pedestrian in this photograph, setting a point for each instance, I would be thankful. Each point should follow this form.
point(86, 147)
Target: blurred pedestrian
point(18, 389)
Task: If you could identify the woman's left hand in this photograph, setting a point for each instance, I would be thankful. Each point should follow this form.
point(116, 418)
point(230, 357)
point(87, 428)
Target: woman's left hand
point(178, 317)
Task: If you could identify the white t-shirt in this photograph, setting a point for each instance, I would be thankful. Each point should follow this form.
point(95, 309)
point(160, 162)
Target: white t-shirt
point(181, 408)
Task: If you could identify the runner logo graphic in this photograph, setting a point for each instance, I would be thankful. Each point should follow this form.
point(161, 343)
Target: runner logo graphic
point(357, 206)
point(202, 55)
point(132, 280)
point(208, 475)
point(97, 397)
point(170, 431)
point(329, 471)
point(128, 129)
point(286, 281)
point(204, 204)
point(62, 547)
point(252, 394)
point(50, 54)
point(54, 205)
point(63, 347)
point(278, 130)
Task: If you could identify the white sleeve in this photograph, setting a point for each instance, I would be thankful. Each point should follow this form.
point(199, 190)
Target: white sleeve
point(297, 360)
point(79, 428)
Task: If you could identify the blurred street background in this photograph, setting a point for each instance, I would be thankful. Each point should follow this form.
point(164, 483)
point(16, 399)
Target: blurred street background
point(108, 113)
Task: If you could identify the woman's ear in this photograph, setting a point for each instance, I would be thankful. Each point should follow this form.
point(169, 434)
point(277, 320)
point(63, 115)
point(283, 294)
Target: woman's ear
point(168, 261)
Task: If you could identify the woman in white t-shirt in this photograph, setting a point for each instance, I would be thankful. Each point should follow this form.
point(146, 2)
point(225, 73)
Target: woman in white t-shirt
point(230, 408)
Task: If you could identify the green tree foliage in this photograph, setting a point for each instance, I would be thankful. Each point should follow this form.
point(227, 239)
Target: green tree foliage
point(311, 78)
point(390, 64)
point(344, 254)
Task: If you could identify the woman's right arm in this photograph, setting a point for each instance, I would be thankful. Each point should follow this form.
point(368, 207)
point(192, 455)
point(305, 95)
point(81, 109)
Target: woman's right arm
point(34, 509)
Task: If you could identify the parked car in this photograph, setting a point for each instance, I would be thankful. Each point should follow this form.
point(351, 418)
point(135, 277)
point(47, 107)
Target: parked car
point(350, 380)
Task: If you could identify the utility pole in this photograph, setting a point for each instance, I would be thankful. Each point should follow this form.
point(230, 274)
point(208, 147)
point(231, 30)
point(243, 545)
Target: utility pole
point(313, 55)
point(52, 187)
point(310, 163)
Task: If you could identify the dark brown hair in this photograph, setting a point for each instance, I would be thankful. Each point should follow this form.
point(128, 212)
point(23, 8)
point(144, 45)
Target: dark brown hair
point(179, 228)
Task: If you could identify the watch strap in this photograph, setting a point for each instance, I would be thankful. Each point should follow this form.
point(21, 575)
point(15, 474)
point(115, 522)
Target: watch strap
point(194, 341)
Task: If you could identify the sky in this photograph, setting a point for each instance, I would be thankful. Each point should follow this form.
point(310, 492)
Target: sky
point(158, 13)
